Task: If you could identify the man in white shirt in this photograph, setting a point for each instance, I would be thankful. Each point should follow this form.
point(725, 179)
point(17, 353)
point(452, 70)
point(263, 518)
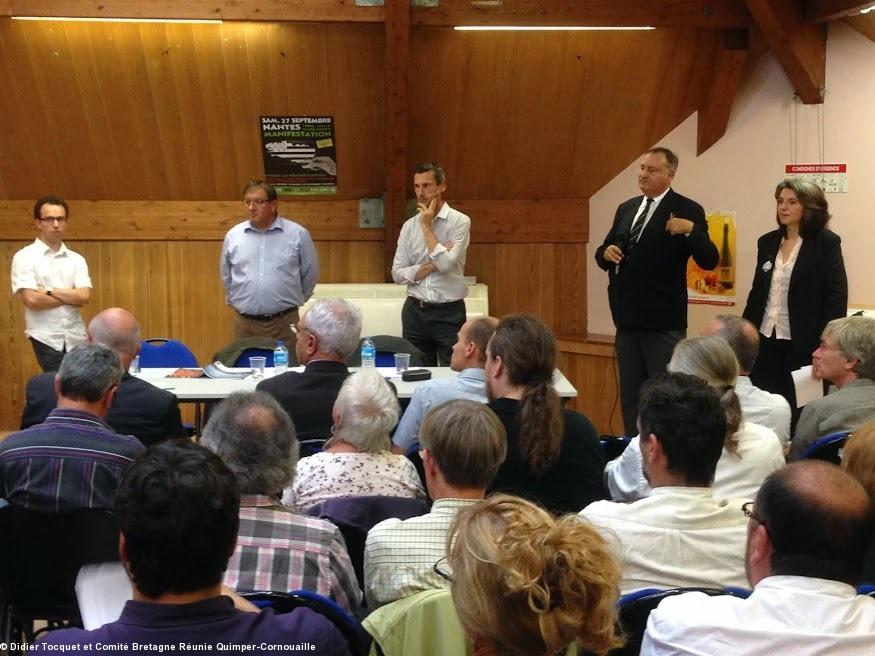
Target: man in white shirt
point(680, 535)
point(463, 444)
point(806, 540)
point(757, 405)
point(430, 260)
point(846, 358)
point(53, 283)
point(469, 359)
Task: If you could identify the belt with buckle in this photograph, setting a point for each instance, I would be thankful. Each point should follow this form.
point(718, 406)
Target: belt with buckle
point(425, 305)
point(267, 317)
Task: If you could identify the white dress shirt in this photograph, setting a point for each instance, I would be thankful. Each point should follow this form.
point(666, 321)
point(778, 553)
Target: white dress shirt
point(37, 265)
point(678, 536)
point(447, 283)
point(653, 206)
point(764, 408)
point(400, 555)
point(792, 615)
point(737, 476)
point(777, 314)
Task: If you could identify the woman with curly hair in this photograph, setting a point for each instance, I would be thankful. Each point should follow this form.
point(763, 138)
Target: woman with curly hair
point(527, 584)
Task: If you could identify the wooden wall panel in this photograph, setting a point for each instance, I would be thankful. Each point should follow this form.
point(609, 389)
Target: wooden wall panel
point(548, 115)
point(594, 374)
point(146, 111)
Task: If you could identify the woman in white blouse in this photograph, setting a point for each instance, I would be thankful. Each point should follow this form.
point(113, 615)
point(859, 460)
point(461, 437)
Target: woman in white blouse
point(356, 460)
point(799, 285)
point(750, 453)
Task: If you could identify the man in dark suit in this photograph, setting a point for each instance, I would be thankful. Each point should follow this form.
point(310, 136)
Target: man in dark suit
point(140, 409)
point(327, 334)
point(645, 254)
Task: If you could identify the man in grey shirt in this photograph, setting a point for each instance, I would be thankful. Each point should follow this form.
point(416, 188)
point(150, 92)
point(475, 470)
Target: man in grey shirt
point(430, 260)
point(269, 268)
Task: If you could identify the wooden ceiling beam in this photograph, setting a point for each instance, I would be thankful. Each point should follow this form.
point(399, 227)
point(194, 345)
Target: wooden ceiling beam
point(667, 13)
point(244, 10)
point(799, 46)
point(865, 24)
point(726, 70)
point(712, 14)
point(822, 11)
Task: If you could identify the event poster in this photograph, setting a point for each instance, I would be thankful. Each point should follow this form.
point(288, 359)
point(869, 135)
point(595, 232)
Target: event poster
point(300, 155)
point(715, 287)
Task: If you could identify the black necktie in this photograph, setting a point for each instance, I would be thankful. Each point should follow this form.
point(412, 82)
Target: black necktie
point(638, 225)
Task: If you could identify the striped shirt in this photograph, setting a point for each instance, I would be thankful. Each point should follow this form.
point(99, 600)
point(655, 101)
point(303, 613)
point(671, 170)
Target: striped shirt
point(72, 460)
point(280, 550)
point(400, 555)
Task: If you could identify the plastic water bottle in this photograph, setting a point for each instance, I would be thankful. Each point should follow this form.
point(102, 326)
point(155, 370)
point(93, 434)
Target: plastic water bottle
point(369, 354)
point(280, 357)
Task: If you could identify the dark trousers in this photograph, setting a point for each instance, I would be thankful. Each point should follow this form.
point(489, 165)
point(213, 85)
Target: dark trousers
point(771, 370)
point(275, 328)
point(432, 328)
point(641, 354)
point(49, 359)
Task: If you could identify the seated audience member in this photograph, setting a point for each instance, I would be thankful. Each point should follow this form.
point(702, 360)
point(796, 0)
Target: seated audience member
point(757, 405)
point(177, 509)
point(858, 459)
point(140, 409)
point(468, 358)
point(806, 538)
point(554, 457)
point(526, 584)
point(73, 459)
point(680, 535)
point(356, 460)
point(277, 549)
point(750, 453)
point(327, 334)
point(463, 443)
point(846, 358)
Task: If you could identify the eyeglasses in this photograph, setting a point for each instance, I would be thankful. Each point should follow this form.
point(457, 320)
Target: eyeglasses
point(258, 202)
point(442, 569)
point(50, 219)
point(747, 509)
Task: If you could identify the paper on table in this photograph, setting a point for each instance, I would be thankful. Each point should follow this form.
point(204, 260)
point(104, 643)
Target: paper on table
point(807, 389)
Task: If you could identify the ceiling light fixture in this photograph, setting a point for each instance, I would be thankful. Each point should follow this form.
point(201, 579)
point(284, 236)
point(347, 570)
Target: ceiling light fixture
point(80, 19)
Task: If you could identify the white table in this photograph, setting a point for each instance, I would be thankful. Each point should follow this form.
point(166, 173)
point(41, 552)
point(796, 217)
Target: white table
point(209, 389)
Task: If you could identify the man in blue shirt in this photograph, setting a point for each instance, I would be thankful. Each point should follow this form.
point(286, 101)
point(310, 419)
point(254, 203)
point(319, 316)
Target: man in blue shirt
point(177, 508)
point(269, 268)
point(469, 359)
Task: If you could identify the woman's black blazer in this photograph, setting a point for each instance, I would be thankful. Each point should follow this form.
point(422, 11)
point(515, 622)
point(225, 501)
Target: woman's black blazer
point(818, 288)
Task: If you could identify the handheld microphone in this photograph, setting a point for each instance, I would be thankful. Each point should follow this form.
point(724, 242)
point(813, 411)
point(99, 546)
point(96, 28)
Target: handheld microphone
point(621, 243)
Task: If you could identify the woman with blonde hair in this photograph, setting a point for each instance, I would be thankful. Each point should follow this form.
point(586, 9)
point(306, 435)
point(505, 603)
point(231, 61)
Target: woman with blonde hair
point(356, 460)
point(527, 584)
point(750, 453)
point(858, 459)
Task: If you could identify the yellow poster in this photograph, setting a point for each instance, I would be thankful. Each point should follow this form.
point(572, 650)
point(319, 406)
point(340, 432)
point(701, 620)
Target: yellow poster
point(715, 287)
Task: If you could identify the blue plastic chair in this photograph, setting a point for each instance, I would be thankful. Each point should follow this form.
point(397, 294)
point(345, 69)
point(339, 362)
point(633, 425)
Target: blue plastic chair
point(164, 352)
point(243, 359)
point(828, 448)
point(285, 602)
point(635, 608)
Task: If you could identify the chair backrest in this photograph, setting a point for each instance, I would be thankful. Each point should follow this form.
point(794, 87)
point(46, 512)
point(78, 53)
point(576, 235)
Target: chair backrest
point(613, 445)
point(41, 553)
point(387, 346)
point(285, 602)
point(238, 352)
point(635, 609)
point(165, 352)
point(829, 448)
point(355, 516)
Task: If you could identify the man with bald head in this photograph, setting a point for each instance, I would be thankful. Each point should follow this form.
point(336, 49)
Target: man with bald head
point(140, 409)
point(757, 405)
point(807, 535)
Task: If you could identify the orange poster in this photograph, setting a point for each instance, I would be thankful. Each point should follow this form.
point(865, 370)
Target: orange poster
point(715, 287)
